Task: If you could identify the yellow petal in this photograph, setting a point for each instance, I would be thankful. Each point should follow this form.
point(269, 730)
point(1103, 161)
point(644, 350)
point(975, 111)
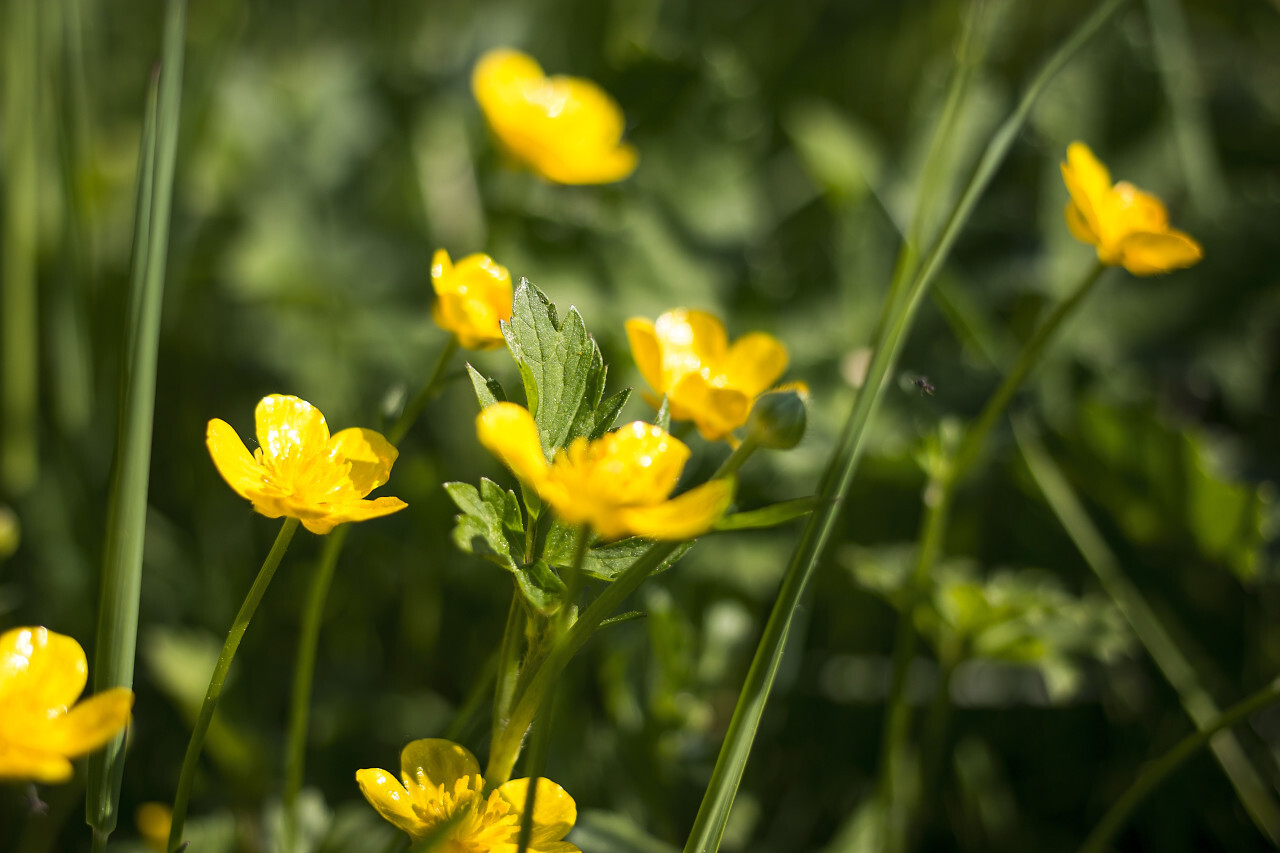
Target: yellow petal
point(41, 667)
point(1150, 254)
point(233, 460)
point(289, 429)
point(640, 461)
point(509, 432)
point(554, 812)
point(715, 411)
point(690, 340)
point(436, 761)
point(500, 76)
point(754, 362)
point(1136, 210)
point(45, 768)
point(442, 279)
point(646, 351)
point(390, 799)
point(1089, 173)
point(683, 517)
point(370, 454)
point(89, 724)
point(1079, 226)
point(358, 511)
point(599, 166)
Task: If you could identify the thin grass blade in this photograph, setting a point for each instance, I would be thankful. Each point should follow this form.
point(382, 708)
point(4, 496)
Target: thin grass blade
point(127, 502)
point(713, 815)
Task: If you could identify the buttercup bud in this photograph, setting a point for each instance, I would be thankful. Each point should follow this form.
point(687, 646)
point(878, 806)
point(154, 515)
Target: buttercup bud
point(778, 417)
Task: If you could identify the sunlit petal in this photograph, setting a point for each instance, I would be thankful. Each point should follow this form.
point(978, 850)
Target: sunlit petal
point(509, 432)
point(684, 517)
point(754, 362)
point(435, 761)
point(233, 460)
point(390, 798)
point(646, 352)
point(370, 454)
point(90, 724)
point(554, 812)
point(45, 668)
point(289, 428)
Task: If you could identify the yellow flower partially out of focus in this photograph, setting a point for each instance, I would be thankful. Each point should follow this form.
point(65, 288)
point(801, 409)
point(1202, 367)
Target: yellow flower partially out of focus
point(620, 484)
point(300, 471)
point(153, 821)
point(42, 727)
point(566, 129)
point(472, 297)
point(1130, 227)
point(686, 357)
point(440, 781)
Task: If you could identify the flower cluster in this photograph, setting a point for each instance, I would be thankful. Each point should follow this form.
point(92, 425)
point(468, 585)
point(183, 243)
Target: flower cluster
point(686, 356)
point(566, 129)
point(440, 783)
point(42, 727)
point(302, 472)
point(1129, 227)
point(619, 484)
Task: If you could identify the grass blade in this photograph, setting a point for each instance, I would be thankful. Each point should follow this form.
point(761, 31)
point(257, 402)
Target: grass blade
point(18, 302)
point(127, 501)
point(1157, 640)
point(713, 815)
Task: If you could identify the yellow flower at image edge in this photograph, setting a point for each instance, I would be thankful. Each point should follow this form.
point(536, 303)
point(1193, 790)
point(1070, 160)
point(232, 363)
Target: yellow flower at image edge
point(1129, 227)
point(440, 781)
point(42, 727)
point(302, 472)
point(686, 356)
point(564, 128)
point(618, 484)
point(472, 297)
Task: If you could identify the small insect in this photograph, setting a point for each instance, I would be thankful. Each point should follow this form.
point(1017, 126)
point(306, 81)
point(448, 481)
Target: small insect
point(925, 386)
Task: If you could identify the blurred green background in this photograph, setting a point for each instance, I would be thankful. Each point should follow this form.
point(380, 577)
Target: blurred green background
point(327, 149)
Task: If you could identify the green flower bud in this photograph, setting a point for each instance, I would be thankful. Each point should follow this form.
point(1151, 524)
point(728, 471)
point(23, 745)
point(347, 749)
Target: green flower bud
point(778, 418)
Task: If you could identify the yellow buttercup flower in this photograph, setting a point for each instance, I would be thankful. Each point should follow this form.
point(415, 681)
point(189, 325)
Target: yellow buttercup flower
point(1130, 227)
point(440, 781)
point(566, 129)
point(300, 471)
point(686, 357)
point(42, 727)
point(153, 821)
point(472, 297)
point(620, 484)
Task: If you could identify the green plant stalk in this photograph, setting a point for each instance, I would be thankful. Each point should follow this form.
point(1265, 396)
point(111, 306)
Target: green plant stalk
point(118, 602)
point(939, 496)
point(505, 746)
point(1173, 664)
point(708, 828)
point(313, 615)
point(509, 660)
point(225, 657)
point(303, 676)
point(19, 312)
point(1155, 772)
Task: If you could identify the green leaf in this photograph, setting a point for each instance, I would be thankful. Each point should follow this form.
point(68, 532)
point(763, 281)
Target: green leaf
point(663, 418)
point(560, 366)
point(603, 562)
point(769, 516)
point(488, 391)
point(607, 413)
point(490, 525)
point(1163, 485)
point(541, 586)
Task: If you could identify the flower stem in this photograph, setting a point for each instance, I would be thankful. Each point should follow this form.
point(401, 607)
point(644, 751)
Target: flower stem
point(313, 616)
point(938, 498)
point(228, 653)
point(740, 455)
point(413, 409)
point(506, 741)
point(1157, 771)
point(303, 674)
